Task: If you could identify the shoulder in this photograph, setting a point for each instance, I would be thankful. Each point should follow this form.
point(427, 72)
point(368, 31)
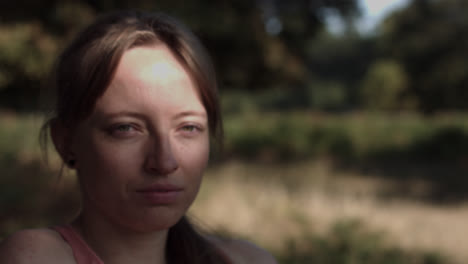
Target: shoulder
point(35, 246)
point(242, 251)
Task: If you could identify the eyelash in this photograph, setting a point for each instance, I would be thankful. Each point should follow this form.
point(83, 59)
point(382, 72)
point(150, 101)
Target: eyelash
point(122, 129)
point(129, 128)
point(191, 128)
point(122, 126)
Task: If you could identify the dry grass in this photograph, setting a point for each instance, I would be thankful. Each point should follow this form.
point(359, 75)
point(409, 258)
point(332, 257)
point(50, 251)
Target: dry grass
point(234, 198)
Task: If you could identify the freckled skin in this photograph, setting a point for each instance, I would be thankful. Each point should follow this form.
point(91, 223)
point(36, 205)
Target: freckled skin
point(149, 127)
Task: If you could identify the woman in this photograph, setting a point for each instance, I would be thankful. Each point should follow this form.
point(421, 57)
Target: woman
point(136, 108)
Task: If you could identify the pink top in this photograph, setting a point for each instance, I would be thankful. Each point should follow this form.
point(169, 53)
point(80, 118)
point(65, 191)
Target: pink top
point(81, 251)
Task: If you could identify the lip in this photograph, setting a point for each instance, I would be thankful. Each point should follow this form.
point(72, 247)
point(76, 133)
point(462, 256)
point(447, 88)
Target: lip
point(160, 194)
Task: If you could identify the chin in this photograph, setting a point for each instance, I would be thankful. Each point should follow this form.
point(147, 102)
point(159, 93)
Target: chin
point(155, 222)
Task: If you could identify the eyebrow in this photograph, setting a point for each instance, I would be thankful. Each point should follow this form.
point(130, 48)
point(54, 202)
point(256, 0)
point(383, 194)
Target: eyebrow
point(190, 113)
point(143, 117)
point(122, 114)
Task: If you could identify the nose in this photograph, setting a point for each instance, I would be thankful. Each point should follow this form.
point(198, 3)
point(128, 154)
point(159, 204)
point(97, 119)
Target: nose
point(161, 160)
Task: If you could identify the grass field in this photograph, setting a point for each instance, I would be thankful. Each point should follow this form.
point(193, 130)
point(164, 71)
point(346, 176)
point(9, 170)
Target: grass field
point(357, 188)
point(234, 199)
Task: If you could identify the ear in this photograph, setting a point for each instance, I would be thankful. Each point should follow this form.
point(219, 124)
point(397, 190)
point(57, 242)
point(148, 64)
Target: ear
point(61, 136)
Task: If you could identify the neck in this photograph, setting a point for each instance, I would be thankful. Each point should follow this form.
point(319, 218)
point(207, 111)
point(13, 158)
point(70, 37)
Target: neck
point(115, 244)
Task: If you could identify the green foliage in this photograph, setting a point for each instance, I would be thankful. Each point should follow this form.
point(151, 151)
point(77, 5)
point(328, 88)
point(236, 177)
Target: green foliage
point(18, 135)
point(399, 147)
point(415, 61)
point(384, 85)
point(429, 39)
point(327, 95)
point(29, 196)
point(246, 55)
point(349, 242)
point(283, 137)
point(26, 56)
point(299, 135)
point(71, 17)
point(319, 95)
point(27, 49)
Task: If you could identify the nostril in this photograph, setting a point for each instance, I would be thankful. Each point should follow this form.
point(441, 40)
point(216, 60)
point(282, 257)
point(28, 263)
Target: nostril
point(161, 164)
point(169, 166)
point(161, 159)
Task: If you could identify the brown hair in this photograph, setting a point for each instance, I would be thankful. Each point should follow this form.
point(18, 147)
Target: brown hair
point(85, 69)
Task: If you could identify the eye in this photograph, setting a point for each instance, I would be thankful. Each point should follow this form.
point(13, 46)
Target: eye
point(123, 130)
point(189, 128)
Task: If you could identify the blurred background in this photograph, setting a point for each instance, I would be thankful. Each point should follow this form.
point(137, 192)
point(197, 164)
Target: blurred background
point(345, 122)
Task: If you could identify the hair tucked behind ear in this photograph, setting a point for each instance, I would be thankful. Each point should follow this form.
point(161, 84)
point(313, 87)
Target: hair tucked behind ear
point(83, 73)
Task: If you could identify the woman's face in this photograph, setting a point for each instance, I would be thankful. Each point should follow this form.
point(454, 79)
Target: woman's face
point(141, 154)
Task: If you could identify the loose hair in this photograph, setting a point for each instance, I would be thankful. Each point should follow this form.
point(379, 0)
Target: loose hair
point(85, 69)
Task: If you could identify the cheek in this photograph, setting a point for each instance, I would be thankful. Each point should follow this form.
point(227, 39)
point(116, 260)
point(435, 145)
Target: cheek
point(193, 160)
point(199, 156)
point(196, 155)
point(102, 164)
point(115, 156)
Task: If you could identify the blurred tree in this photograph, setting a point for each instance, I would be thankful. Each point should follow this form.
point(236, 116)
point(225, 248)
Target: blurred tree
point(29, 43)
point(255, 44)
point(338, 64)
point(260, 44)
point(384, 86)
point(430, 39)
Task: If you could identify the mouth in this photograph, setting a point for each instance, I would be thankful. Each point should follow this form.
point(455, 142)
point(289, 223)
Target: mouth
point(160, 194)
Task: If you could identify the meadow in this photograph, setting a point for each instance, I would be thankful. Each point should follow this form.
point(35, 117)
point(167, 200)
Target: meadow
point(310, 187)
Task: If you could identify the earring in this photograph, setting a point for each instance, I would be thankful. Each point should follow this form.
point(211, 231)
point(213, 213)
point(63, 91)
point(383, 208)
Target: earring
point(71, 163)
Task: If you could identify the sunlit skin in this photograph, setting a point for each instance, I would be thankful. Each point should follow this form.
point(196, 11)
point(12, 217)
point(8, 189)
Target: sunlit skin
point(140, 157)
point(148, 129)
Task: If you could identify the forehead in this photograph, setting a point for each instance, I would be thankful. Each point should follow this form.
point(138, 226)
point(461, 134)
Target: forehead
point(150, 76)
point(150, 63)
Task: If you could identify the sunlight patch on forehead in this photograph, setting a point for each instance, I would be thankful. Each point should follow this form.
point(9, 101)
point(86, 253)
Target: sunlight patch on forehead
point(164, 69)
point(152, 78)
point(154, 64)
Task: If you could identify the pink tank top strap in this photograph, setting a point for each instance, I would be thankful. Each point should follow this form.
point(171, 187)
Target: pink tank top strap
point(82, 252)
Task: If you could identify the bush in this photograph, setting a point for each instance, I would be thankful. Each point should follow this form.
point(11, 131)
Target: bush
point(349, 137)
